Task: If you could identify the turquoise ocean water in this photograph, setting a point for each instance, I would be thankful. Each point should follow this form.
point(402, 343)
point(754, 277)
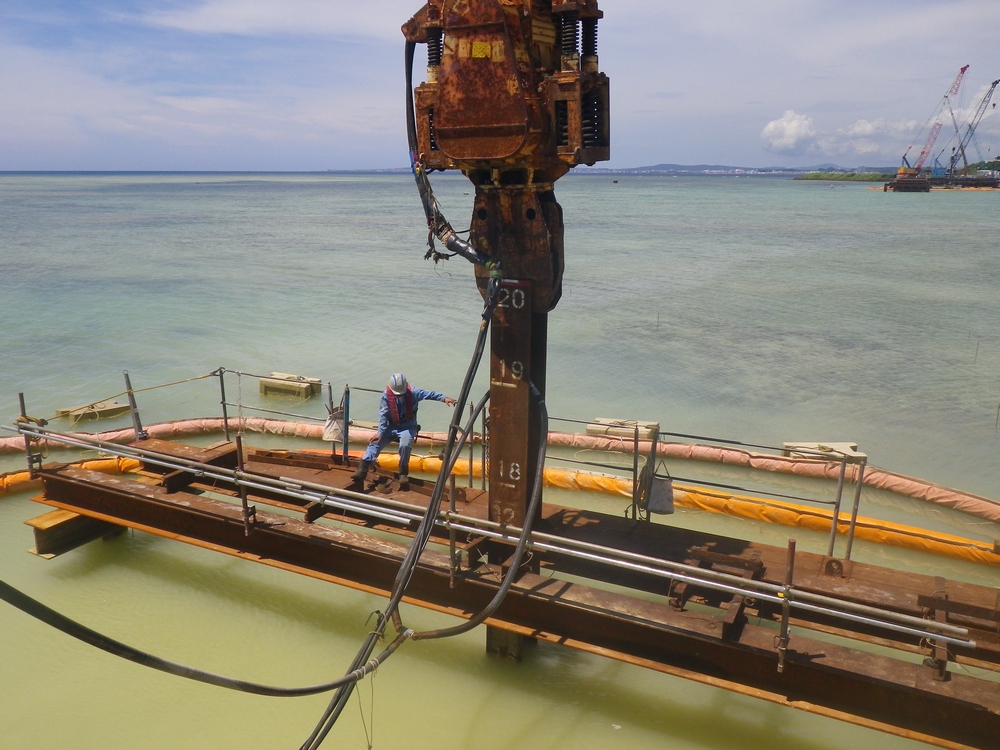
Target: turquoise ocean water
point(754, 309)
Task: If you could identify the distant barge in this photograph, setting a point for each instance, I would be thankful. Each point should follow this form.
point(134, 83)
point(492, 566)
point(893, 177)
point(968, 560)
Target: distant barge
point(924, 183)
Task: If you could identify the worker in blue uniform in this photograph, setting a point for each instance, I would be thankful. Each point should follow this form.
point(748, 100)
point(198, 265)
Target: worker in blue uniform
point(397, 420)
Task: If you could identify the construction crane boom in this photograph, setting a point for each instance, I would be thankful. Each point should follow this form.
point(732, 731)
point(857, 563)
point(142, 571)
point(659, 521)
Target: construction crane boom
point(928, 145)
point(935, 129)
point(971, 129)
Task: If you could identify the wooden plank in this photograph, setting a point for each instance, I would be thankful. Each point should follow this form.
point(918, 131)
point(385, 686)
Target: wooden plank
point(60, 531)
point(222, 454)
point(936, 603)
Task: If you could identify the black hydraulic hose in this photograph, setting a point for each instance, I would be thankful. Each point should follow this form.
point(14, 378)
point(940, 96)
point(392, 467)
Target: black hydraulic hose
point(456, 454)
point(447, 466)
point(437, 225)
point(72, 628)
point(419, 543)
point(411, 136)
point(339, 700)
point(427, 523)
point(522, 542)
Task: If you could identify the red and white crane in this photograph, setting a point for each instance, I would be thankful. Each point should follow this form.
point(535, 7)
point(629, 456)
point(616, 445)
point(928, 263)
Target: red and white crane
point(906, 169)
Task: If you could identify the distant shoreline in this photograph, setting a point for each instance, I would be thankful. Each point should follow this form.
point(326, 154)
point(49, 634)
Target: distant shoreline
point(822, 172)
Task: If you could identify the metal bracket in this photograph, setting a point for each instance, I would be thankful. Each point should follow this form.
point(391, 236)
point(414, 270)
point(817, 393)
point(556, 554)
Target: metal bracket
point(938, 661)
point(837, 567)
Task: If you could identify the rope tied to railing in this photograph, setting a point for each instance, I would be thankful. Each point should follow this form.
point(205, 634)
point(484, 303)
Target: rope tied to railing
point(149, 388)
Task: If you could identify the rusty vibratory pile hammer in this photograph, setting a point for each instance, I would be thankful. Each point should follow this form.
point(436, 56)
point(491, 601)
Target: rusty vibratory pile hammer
point(514, 98)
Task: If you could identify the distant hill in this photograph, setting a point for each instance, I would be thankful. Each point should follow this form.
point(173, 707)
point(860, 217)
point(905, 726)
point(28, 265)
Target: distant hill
point(683, 169)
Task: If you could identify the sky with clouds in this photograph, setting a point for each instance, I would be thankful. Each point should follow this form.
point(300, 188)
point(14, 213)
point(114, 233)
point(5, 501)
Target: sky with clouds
point(318, 84)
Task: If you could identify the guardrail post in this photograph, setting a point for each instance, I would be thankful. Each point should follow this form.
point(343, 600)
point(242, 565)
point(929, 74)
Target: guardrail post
point(249, 512)
point(784, 636)
point(225, 410)
point(347, 420)
point(635, 473)
point(329, 410)
point(451, 532)
point(34, 459)
point(140, 434)
point(857, 504)
point(472, 426)
point(651, 474)
point(836, 507)
point(482, 452)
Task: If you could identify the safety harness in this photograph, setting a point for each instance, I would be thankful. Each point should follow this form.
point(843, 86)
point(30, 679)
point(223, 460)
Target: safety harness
point(411, 412)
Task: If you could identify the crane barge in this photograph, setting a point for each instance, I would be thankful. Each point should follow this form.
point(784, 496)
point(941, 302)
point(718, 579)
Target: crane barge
point(914, 178)
point(956, 176)
point(909, 178)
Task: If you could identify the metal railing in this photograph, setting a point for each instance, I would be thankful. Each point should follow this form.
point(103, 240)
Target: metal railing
point(641, 488)
point(643, 468)
point(786, 596)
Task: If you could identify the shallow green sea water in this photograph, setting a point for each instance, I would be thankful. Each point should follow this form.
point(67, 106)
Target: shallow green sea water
point(759, 310)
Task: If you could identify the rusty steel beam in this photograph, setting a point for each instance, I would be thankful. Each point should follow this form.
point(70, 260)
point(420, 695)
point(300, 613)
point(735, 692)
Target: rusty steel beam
point(890, 694)
point(890, 591)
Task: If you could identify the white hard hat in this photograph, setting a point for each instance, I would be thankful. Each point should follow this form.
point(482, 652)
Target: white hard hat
point(397, 384)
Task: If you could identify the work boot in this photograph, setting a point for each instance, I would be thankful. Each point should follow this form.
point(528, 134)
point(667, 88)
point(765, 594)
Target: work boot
point(404, 481)
point(362, 472)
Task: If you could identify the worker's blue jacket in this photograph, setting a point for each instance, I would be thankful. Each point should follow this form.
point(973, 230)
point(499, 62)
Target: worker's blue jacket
point(406, 421)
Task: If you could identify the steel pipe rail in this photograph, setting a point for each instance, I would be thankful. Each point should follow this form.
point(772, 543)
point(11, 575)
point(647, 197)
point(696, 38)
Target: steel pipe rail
point(769, 592)
point(691, 574)
point(404, 513)
point(722, 441)
point(273, 411)
point(286, 488)
point(735, 584)
point(328, 502)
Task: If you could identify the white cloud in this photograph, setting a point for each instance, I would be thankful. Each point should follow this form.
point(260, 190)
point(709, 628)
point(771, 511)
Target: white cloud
point(793, 27)
point(790, 134)
point(795, 134)
point(56, 114)
point(867, 128)
point(322, 77)
point(876, 137)
point(344, 18)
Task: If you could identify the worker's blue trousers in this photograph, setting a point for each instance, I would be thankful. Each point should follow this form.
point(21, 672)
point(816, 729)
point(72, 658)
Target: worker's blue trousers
point(406, 433)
